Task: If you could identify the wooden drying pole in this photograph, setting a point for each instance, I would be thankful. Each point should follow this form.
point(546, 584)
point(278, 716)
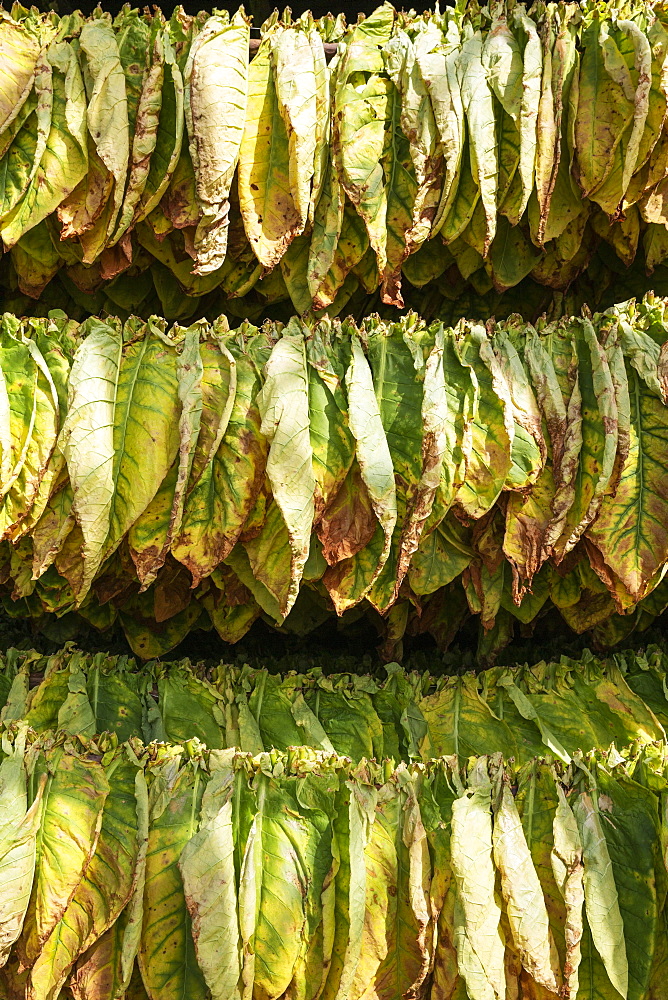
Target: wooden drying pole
point(329, 47)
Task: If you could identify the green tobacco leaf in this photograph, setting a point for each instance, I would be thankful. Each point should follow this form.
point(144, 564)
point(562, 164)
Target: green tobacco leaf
point(651, 155)
point(284, 408)
point(324, 74)
point(489, 448)
point(263, 562)
point(15, 128)
point(477, 931)
point(446, 403)
point(271, 218)
point(53, 527)
point(549, 124)
point(511, 256)
point(17, 403)
point(108, 126)
point(427, 263)
point(437, 57)
point(151, 535)
point(216, 79)
point(119, 442)
point(75, 715)
point(18, 835)
point(528, 450)
point(19, 48)
point(395, 956)
point(145, 50)
point(149, 638)
point(442, 555)
point(103, 891)
point(479, 108)
point(526, 707)
point(169, 136)
point(472, 727)
point(590, 445)
point(436, 802)
point(220, 501)
point(350, 722)
point(297, 95)
point(36, 260)
point(550, 395)
point(523, 895)
point(30, 133)
point(115, 701)
point(311, 731)
point(351, 579)
point(502, 59)
point(287, 849)
point(637, 863)
point(328, 221)
point(614, 90)
point(355, 813)
point(332, 442)
point(106, 968)
point(134, 36)
point(294, 271)
point(536, 802)
point(593, 728)
point(400, 399)
point(31, 415)
point(404, 155)
point(568, 869)
point(270, 704)
point(615, 355)
point(601, 896)
point(628, 59)
point(209, 880)
point(64, 161)
point(43, 703)
point(529, 107)
point(316, 796)
point(629, 531)
point(605, 111)
point(361, 122)
point(167, 954)
point(372, 449)
point(565, 202)
point(74, 799)
point(643, 353)
point(188, 708)
point(342, 249)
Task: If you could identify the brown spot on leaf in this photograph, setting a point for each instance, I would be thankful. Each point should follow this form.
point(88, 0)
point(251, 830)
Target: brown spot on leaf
point(349, 522)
